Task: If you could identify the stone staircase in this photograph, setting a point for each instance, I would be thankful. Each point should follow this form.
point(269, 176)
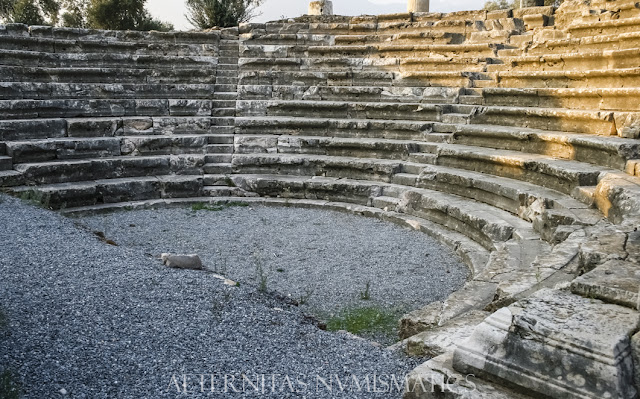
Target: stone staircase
point(509, 136)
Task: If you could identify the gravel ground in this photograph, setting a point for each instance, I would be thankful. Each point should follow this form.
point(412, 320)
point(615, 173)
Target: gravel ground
point(89, 320)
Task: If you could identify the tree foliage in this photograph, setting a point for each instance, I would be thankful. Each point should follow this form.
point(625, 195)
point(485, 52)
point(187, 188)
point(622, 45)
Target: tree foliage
point(122, 15)
point(206, 14)
point(30, 12)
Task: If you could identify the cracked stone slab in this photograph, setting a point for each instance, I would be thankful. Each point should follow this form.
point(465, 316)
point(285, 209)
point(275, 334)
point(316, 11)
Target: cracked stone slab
point(615, 281)
point(557, 344)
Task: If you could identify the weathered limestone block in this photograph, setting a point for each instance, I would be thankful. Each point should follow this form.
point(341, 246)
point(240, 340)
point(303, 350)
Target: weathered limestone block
point(441, 339)
point(182, 125)
point(123, 190)
point(607, 244)
point(420, 320)
point(32, 129)
point(137, 126)
point(192, 262)
point(615, 282)
point(93, 127)
point(190, 107)
point(557, 344)
point(152, 107)
point(627, 124)
point(321, 7)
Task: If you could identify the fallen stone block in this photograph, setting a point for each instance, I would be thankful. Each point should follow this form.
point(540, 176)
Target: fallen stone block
point(190, 262)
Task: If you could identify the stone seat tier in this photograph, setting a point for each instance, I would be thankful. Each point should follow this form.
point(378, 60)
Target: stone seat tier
point(481, 223)
point(110, 191)
point(421, 48)
point(106, 75)
point(53, 90)
point(340, 109)
point(425, 37)
point(584, 61)
point(87, 108)
point(288, 39)
point(48, 45)
point(408, 94)
point(82, 170)
point(99, 147)
point(104, 60)
point(325, 76)
point(508, 194)
point(608, 151)
point(610, 27)
point(403, 130)
point(622, 99)
point(150, 37)
point(560, 175)
point(428, 62)
point(587, 44)
point(601, 78)
point(40, 129)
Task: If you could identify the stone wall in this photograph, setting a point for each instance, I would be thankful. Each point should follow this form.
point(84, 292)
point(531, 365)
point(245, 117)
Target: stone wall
point(510, 136)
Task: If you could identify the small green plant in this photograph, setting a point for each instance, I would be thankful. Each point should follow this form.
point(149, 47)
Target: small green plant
point(366, 294)
point(304, 299)
point(280, 270)
point(229, 182)
point(261, 275)
point(369, 319)
point(37, 198)
point(9, 388)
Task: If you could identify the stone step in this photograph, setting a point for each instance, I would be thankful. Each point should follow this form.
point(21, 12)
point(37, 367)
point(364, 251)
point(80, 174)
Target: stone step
point(51, 90)
point(83, 46)
point(471, 100)
point(225, 191)
point(105, 191)
point(221, 139)
point(227, 67)
point(218, 158)
point(217, 180)
point(225, 88)
point(106, 75)
point(561, 175)
point(224, 112)
point(151, 37)
point(615, 282)
point(424, 37)
point(606, 99)
point(613, 78)
point(588, 44)
point(558, 119)
point(608, 151)
point(220, 148)
point(227, 60)
point(339, 109)
point(217, 168)
point(603, 59)
point(226, 96)
point(6, 163)
point(105, 127)
point(437, 377)
point(406, 94)
point(479, 222)
point(355, 128)
point(317, 77)
point(91, 148)
point(589, 337)
point(227, 81)
point(611, 27)
point(109, 168)
point(230, 73)
point(27, 58)
point(455, 118)
point(224, 104)
point(223, 121)
point(83, 108)
point(223, 130)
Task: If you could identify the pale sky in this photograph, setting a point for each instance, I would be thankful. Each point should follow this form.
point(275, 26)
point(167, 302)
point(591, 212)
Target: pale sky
point(173, 10)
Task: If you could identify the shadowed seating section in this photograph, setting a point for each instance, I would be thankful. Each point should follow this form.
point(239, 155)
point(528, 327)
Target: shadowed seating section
point(511, 136)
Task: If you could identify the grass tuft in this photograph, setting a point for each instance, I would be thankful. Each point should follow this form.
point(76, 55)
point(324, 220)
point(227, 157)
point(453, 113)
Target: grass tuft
point(370, 319)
